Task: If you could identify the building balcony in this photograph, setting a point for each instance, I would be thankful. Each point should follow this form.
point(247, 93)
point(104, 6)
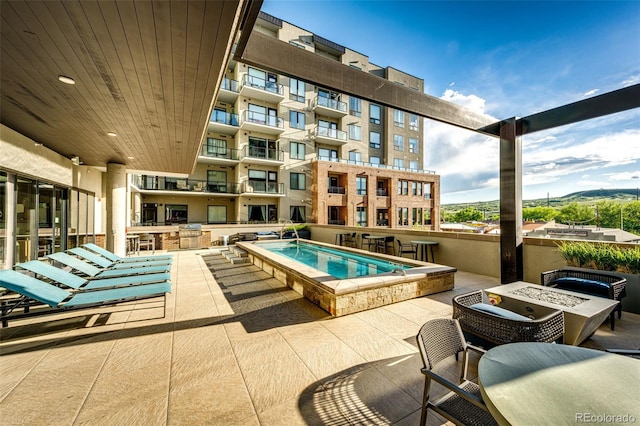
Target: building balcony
point(185, 186)
point(260, 155)
point(374, 165)
point(225, 123)
point(262, 123)
point(258, 88)
point(263, 189)
point(229, 91)
point(216, 155)
point(329, 107)
point(329, 136)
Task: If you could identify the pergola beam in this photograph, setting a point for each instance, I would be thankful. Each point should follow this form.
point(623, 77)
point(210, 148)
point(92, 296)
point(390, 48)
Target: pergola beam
point(273, 55)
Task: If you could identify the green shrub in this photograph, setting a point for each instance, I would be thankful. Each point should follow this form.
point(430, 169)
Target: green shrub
point(601, 256)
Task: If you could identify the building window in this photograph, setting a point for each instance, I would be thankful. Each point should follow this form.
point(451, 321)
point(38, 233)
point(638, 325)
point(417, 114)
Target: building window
point(263, 148)
point(296, 90)
point(176, 213)
point(361, 185)
point(355, 132)
point(216, 214)
point(293, 43)
point(355, 106)
point(413, 165)
point(375, 114)
point(327, 154)
point(374, 140)
point(398, 142)
point(398, 118)
point(427, 190)
point(416, 216)
point(296, 120)
point(361, 216)
point(297, 214)
point(263, 181)
point(297, 150)
point(355, 157)
point(413, 145)
point(262, 115)
point(216, 147)
point(398, 163)
point(403, 187)
point(403, 216)
point(298, 181)
point(374, 161)
point(414, 123)
point(414, 188)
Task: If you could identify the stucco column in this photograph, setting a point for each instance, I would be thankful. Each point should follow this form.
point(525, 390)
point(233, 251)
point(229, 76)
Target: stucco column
point(136, 217)
point(116, 208)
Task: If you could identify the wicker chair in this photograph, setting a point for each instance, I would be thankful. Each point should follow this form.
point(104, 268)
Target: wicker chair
point(439, 339)
point(615, 289)
point(487, 330)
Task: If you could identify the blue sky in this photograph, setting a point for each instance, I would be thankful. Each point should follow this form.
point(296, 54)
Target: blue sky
point(503, 59)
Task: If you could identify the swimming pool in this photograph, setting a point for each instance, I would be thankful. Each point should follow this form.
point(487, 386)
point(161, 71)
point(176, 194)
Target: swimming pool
point(378, 280)
point(335, 262)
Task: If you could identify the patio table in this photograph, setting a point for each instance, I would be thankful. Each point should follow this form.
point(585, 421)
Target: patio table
point(372, 239)
point(422, 246)
point(550, 384)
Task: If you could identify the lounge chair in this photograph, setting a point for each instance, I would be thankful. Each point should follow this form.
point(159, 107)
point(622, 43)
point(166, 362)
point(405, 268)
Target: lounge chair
point(33, 291)
point(67, 279)
point(115, 258)
point(103, 262)
point(95, 272)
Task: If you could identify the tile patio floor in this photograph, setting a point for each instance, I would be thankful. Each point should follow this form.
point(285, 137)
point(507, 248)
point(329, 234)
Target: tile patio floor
point(235, 348)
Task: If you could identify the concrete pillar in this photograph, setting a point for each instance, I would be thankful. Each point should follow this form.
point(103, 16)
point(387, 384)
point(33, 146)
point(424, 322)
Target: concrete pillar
point(116, 208)
point(11, 221)
point(137, 208)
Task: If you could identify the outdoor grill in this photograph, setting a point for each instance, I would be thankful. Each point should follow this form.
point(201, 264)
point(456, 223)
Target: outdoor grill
point(190, 235)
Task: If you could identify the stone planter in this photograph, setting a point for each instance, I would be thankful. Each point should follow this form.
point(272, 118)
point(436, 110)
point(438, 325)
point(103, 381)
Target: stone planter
point(304, 233)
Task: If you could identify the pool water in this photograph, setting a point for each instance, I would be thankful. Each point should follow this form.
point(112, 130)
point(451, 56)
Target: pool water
point(340, 264)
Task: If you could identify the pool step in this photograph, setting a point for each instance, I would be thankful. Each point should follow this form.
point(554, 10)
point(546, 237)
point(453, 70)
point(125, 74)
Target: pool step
point(235, 255)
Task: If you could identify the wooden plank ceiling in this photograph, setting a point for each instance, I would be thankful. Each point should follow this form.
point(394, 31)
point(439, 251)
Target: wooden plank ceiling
point(147, 71)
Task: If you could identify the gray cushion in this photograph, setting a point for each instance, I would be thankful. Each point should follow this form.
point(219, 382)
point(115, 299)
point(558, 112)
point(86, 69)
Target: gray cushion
point(498, 311)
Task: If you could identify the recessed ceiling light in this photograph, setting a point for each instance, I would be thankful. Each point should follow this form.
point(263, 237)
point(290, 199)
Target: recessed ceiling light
point(66, 80)
point(112, 134)
point(130, 158)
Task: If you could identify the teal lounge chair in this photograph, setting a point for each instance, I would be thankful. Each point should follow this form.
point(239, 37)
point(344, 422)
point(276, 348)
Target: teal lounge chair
point(60, 277)
point(103, 262)
point(115, 258)
point(88, 269)
point(33, 292)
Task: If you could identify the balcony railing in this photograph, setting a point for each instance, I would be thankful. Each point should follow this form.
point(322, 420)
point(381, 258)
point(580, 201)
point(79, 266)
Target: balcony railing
point(336, 190)
point(229, 84)
point(273, 154)
point(221, 117)
point(162, 183)
point(329, 107)
point(262, 119)
point(262, 187)
point(262, 84)
point(218, 152)
point(382, 193)
point(326, 132)
point(379, 166)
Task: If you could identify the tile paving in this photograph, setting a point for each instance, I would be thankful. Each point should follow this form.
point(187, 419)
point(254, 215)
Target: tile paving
point(236, 347)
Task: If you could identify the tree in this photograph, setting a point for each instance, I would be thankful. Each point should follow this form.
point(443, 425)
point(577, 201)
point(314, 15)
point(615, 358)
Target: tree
point(577, 214)
point(631, 215)
point(468, 214)
point(545, 214)
point(609, 214)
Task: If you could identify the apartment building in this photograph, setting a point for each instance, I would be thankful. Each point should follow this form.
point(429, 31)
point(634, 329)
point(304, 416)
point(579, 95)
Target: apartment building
point(281, 148)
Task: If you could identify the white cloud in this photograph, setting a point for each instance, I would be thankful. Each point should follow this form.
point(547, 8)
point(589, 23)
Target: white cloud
point(624, 176)
point(634, 79)
point(591, 92)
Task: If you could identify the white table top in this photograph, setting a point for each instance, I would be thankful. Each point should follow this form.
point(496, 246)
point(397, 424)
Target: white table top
point(550, 384)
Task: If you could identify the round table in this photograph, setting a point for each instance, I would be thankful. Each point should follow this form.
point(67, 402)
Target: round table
point(422, 245)
point(550, 384)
